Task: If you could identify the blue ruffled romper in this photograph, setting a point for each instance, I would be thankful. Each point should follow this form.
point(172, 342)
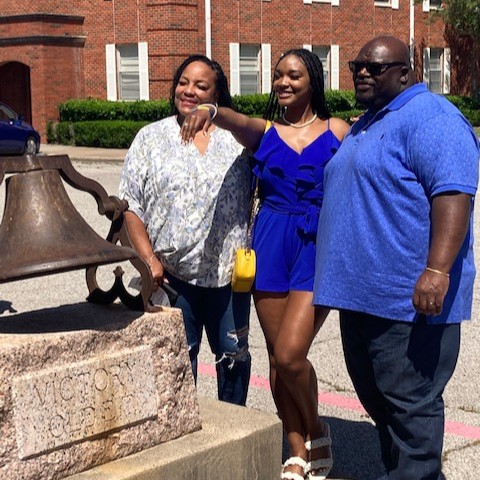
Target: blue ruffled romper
point(291, 189)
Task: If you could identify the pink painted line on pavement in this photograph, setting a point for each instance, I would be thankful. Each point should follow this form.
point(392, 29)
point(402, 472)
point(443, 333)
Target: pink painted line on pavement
point(340, 401)
point(207, 370)
point(462, 430)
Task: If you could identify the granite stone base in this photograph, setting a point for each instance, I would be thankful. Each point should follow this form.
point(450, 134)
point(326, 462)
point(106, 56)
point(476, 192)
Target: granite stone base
point(82, 385)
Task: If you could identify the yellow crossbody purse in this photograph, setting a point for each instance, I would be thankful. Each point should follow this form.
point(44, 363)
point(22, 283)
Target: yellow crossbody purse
point(244, 267)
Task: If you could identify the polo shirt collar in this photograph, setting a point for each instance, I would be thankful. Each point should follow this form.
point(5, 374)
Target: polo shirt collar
point(400, 100)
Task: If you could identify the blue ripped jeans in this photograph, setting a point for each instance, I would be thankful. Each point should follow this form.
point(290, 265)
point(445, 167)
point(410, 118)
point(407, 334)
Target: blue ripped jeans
point(225, 316)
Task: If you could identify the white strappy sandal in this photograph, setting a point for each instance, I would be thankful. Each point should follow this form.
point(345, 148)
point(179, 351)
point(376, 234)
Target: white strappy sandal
point(291, 475)
point(322, 464)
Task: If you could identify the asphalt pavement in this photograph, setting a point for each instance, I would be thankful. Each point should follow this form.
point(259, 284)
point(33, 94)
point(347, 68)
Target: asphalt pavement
point(355, 444)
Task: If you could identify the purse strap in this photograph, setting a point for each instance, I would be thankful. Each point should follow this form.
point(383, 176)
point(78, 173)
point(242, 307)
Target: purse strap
point(255, 203)
point(254, 208)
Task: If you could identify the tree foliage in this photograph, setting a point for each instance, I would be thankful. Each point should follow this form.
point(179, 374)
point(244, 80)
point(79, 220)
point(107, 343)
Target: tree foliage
point(463, 16)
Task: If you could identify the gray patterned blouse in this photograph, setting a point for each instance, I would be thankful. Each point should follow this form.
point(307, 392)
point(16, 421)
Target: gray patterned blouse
point(194, 206)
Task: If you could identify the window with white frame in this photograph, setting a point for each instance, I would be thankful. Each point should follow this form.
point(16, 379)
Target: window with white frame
point(127, 71)
point(432, 5)
point(436, 69)
point(323, 53)
point(330, 58)
point(335, 3)
point(387, 3)
point(250, 68)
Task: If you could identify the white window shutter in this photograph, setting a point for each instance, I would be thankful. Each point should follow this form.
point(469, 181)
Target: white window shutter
point(426, 65)
point(335, 3)
point(143, 70)
point(110, 64)
point(394, 4)
point(426, 5)
point(307, 47)
point(446, 71)
point(235, 69)
point(335, 67)
point(307, 2)
point(266, 67)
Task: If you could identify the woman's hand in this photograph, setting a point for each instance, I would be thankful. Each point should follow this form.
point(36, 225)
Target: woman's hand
point(430, 292)
point(158, 272)
point(194, 122)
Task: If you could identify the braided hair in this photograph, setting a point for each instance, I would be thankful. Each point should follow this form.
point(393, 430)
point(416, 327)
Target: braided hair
point(221, 83)
point(315, 72)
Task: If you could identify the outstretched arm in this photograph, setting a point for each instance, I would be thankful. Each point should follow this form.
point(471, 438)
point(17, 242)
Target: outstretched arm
point(247, 131)
point(450, 218)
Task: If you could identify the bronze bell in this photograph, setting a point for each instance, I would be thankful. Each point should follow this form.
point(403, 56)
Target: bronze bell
point(42, 233)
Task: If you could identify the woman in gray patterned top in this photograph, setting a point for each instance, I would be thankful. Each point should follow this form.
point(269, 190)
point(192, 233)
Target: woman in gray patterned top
point(188, 211)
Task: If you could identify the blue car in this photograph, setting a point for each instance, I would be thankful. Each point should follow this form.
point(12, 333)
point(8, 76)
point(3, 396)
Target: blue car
point(17, 137)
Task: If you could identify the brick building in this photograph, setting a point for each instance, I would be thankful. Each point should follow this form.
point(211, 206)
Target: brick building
point(54, 50)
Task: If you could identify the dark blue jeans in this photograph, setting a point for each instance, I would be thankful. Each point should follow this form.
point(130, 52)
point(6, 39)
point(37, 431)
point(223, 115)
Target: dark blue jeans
point(225, 317)
point(400, 371)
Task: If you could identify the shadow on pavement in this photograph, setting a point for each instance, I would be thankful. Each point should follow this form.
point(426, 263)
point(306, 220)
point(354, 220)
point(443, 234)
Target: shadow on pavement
point(354, 444)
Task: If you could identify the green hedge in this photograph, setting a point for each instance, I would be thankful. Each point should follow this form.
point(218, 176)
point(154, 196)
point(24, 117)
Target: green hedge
point(63, 132)
point(100, 133)
point(464, 103)
point(89, 110)
point(252, 105)
point(349, 116)
point(473, 116)
point(341, 101)
point(255, 105)
point(102, 123)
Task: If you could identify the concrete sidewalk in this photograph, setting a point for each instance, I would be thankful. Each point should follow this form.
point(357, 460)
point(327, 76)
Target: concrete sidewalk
point(88, 154)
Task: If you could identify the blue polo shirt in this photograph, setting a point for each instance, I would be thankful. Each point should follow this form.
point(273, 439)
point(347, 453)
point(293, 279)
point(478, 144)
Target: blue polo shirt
point(374, 228)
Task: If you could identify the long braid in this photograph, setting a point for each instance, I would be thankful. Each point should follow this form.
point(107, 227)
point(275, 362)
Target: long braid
point(273, 109)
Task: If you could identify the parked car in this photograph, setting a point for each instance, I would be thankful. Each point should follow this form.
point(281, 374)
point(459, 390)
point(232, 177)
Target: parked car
point(17, 137)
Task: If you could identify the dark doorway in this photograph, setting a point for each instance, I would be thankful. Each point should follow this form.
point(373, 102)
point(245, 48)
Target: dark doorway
point(15, 88)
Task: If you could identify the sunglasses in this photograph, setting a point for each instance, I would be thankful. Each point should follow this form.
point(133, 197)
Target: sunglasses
point(373, 68)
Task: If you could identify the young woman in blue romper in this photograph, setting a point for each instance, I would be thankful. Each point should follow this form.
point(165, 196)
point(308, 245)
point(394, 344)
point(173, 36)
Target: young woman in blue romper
point(290, 155)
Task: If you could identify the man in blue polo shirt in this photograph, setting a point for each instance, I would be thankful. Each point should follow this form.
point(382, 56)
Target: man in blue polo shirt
point(394, 253)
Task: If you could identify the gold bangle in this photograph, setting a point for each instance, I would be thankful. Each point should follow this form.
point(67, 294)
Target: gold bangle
point(209, 107)
point(433, 270)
